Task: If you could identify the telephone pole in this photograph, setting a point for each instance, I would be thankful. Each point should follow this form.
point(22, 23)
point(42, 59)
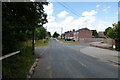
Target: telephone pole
point(61, 32)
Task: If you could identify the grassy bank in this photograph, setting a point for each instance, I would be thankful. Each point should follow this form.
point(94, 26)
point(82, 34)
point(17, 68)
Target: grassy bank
point(107, 41)
point(43, 42)
point(18, 66)
point(69, 42)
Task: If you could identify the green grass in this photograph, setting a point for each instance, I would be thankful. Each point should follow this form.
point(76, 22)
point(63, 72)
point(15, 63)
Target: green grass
point(108, 41)
point(43, 42)
point(117, 56)
point(18, 66)
point(69, 42)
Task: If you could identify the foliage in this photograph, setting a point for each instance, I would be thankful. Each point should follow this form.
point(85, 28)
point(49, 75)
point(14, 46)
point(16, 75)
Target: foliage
point(18, 66)
point(18, 21)
point(106, 30)
point(95, 34)
point(111, 33)
point(114, 33)
point(40, 33)
point(55, 35)
point(49, 34)
point(43, 42)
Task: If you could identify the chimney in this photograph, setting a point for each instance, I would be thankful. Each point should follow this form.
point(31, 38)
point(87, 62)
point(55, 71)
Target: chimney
point(73, 30)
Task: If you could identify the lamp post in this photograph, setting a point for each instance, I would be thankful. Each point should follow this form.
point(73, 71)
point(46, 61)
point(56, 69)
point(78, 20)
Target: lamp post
point(61, 32)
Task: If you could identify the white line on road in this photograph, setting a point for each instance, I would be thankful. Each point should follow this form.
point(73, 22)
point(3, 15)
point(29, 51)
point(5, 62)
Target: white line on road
point(79, 62)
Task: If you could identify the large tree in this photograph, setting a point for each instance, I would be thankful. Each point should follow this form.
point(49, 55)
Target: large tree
point(49, 34)
point(106, 30)
point(95, 34)
point(40, 33)
point(18, 20)
point(55, 35)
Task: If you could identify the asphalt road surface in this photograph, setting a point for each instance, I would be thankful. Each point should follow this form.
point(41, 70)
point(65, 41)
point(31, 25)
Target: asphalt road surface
point(61, 61)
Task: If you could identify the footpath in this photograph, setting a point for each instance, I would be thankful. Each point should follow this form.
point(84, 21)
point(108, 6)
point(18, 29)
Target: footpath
point(102, 51)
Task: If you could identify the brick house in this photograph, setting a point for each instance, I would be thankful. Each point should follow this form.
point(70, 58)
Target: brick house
point(69, 34)
point(83, 34)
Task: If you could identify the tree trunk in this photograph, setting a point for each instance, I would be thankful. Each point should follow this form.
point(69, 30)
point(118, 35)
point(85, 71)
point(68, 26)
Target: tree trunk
point(33, 46)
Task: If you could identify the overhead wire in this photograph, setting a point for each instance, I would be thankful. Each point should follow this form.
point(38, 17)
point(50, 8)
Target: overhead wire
point(70, 9)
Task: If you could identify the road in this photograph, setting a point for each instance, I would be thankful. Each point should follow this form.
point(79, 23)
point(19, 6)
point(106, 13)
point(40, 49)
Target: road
point(61, 61)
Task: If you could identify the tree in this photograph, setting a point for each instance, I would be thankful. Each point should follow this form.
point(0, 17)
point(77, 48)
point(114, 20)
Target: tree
point(19, 20)
point(114, 33)
point(40, 33)
point(95, 34)
point(55, 35)
point(106, 30)
point(49, 34)
point(111, 33)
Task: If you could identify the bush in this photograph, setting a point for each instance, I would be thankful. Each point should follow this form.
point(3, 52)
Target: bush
point(17, 66)
point(118, 46)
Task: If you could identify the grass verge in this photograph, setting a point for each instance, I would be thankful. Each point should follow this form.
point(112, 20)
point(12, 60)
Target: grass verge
point(17, 66)
point(107, 41)
point(69, 42)
point(43, 42)
point(117, 56)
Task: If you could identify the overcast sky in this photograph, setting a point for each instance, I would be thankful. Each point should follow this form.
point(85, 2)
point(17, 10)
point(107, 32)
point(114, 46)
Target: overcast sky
point(77, 15)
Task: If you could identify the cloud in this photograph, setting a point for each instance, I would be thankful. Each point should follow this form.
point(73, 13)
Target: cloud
point(88, 19)
point(102, 25)
point(49, 10)
point(97, 6)
point(89, 13)
point(69, 23)
point(62, 14)
point(104, 8)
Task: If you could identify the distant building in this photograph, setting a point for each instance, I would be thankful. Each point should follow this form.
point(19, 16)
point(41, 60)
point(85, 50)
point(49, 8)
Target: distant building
point(69, 34)
point(83, 34)
point(80, 34)
point(101, 35)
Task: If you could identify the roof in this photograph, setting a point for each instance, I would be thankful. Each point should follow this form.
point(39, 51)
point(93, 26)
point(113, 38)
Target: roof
point(82, 29)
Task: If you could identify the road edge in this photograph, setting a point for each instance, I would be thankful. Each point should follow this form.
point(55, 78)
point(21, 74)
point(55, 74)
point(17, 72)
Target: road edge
point(31, 71)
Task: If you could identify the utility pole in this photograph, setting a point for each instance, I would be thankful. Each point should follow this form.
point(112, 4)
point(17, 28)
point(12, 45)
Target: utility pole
point(61, 32)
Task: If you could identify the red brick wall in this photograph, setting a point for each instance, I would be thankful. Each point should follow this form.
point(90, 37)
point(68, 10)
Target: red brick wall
point(84, 33)
point(70, 34)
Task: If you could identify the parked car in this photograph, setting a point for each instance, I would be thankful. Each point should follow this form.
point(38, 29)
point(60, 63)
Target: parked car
point(67, 39)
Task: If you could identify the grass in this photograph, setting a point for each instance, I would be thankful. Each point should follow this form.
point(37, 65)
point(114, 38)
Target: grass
point(18, 66)
point(69, 42)
point(108, 41)
point(117, 56)
point(43, 42)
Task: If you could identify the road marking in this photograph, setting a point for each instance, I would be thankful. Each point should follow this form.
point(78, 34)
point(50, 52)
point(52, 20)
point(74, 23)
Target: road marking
point(82, 64)
point(79, 62)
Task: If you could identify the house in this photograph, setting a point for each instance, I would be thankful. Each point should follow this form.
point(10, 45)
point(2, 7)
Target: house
point(101, 34)
point(69, 34)
point(82, 34)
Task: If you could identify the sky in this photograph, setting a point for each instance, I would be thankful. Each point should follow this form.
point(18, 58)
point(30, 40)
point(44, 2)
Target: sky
point(65, 16)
